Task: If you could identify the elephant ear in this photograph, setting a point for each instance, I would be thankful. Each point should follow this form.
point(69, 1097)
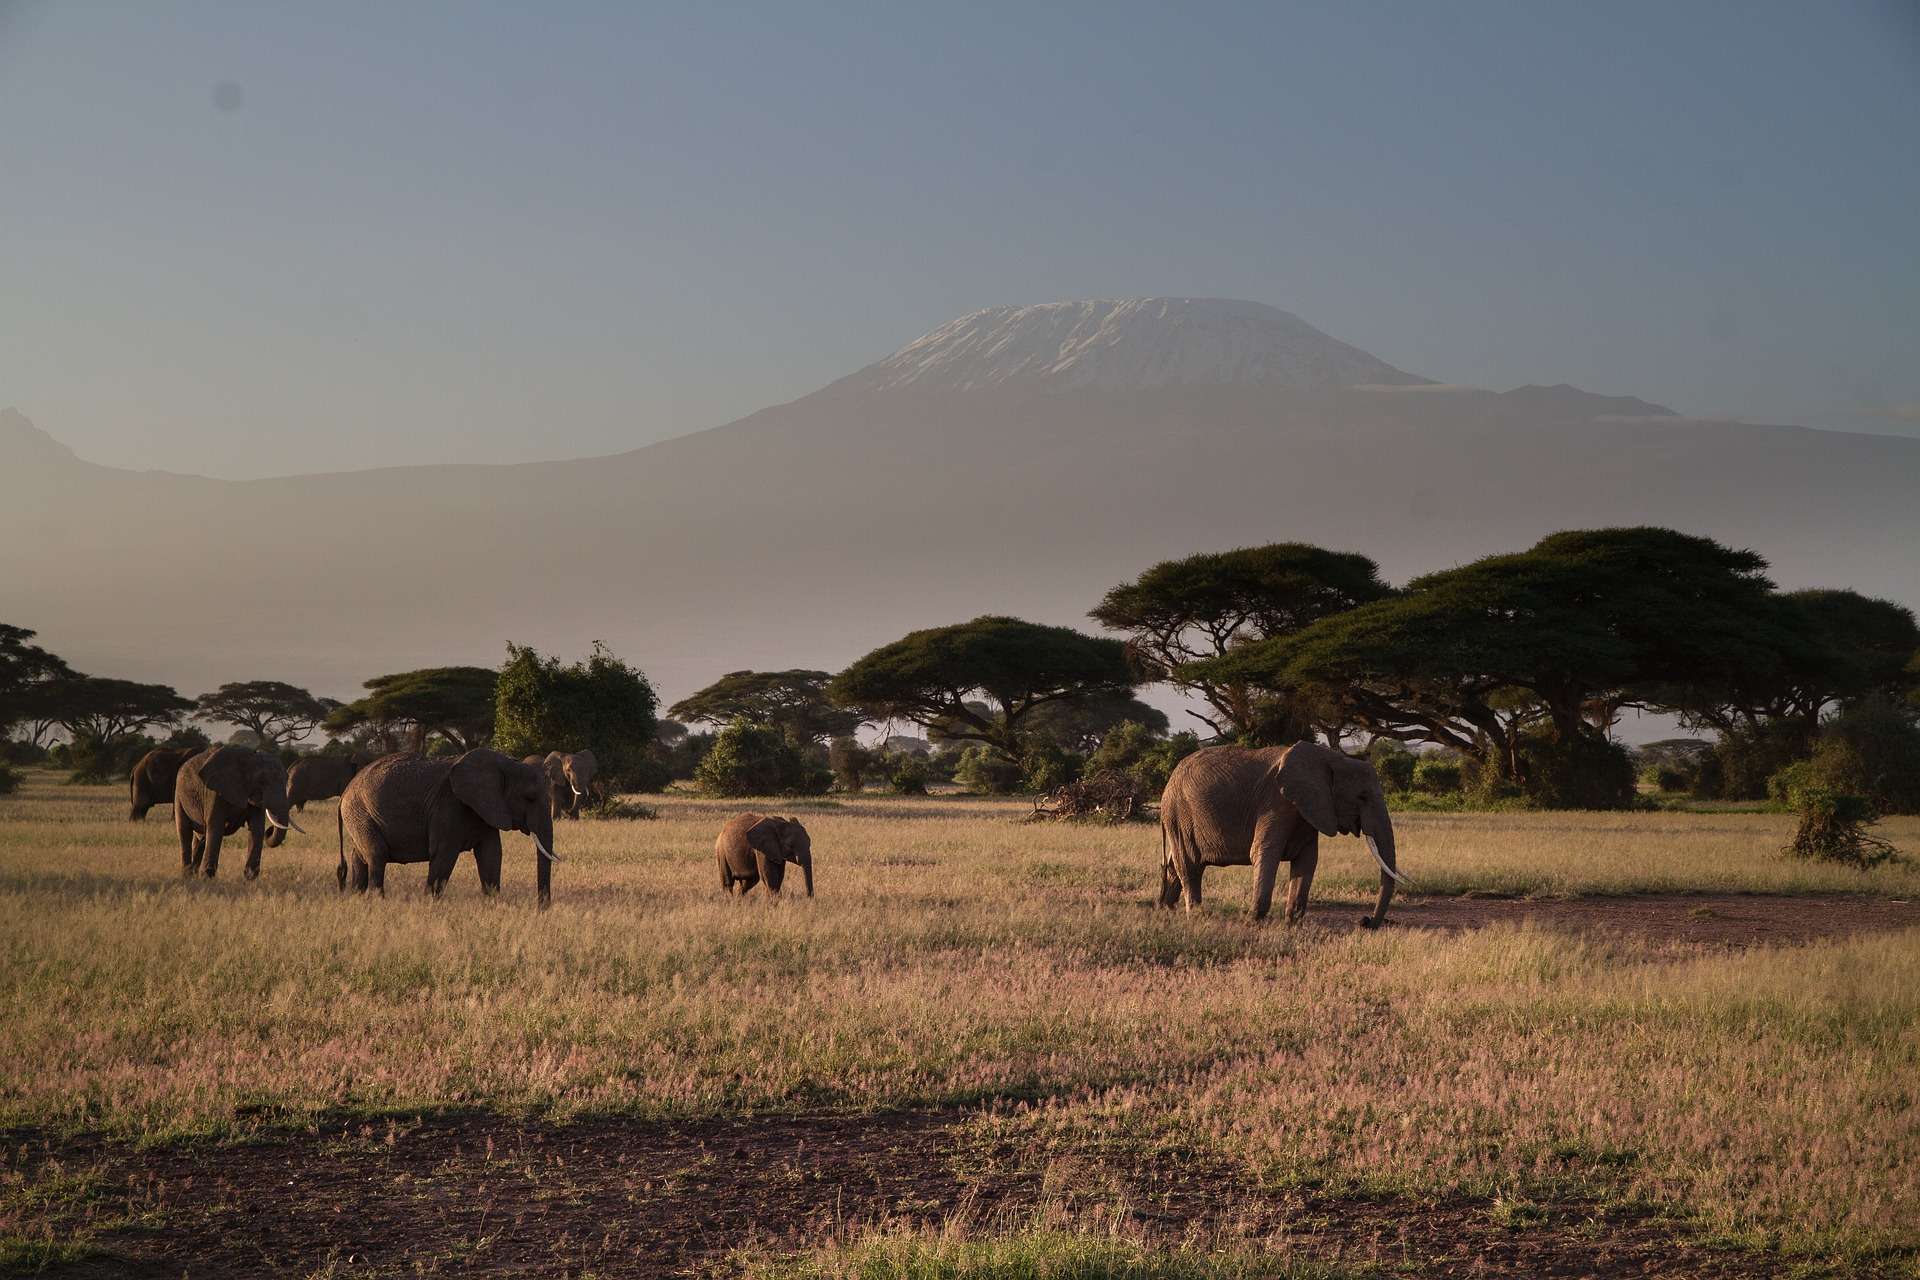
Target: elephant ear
point(764, 836)
point(1306, 779)
point(480, 783)
point(225, 774)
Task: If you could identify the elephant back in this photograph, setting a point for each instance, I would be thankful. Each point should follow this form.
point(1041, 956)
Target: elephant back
point(1214, 799)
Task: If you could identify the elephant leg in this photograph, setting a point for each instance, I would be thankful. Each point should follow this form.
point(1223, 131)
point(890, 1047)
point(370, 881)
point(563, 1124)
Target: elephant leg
point(1169, 885)
point(440, 867)
point(1300, 882)
point(189, 842)
point(1190, 873)
point(486, 857)
point(215, 833)
point(256, 834)
point(772, 870)
point(726, 876)
point(1266, 858)
point(744, 884)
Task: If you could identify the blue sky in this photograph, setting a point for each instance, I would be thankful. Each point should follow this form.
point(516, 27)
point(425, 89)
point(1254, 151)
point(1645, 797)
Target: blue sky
point(252, 238)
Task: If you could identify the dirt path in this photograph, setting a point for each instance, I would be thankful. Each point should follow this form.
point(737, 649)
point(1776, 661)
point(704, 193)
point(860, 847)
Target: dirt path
point(1729, 920)
point(481, 1196)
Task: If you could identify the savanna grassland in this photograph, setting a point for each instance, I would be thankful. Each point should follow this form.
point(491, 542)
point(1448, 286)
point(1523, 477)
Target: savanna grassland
point(978, 1052)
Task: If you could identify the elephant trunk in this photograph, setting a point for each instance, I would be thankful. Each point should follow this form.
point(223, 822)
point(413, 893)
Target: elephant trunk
point(806, 870)
point(1377, 829)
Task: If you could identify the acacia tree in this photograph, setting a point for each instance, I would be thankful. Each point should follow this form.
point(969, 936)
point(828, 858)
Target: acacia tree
point(102, 709)
point(1478, 657)
point(981, 680)
point(455, 702)
point(26, 672)
point(795, 701)
point(1181, 612)
point(275, 712)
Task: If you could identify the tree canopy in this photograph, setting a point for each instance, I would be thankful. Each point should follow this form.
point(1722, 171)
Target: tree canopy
point(601, 704)
point(274, 712)
point(1474, 657)
point(1181, 612)
point(795, 701)
point(103, 709)
point(26, 670)
point(940, 675)
point(455, 702)
point(1081, 724)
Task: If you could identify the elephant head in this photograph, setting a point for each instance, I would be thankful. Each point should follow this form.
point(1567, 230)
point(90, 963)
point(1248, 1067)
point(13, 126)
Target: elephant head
point(578, 770)
point(792, 842)
point(509, 795)
point(1339, 795)
point(246, 779)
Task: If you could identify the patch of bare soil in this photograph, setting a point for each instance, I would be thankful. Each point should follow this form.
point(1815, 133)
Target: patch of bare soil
point(485, 1196)
point(1733, 921)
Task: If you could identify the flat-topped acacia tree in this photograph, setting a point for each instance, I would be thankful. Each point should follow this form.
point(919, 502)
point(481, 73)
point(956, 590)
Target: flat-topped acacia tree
point(980, 680)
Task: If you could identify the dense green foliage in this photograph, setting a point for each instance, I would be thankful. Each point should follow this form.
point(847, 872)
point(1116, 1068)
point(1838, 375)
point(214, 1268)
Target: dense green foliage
point(1142, 755)
point(601, 704)
point(1180, 612)
point(941, 675)
point(749, 759)
point(454, 703)
point(1833, 828)
point(1081, 724)
point(795, 701)
point(1871, 750)
point(25, 671)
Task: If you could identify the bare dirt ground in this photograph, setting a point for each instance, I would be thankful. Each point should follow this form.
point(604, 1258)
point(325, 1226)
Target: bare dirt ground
point(483, 1195)
point(1660, 921)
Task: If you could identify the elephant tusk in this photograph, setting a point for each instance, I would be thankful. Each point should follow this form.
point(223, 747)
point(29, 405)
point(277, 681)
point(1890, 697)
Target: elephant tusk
point(545, 852)
point(577, 791)
point(295, 824)
point(1374, 849)
point(273, 820)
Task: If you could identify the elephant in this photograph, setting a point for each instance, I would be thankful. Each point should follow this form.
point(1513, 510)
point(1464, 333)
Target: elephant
point(1231, 806)
point(409, 808)
point(754, 847)
point(220, 790)
point(151, 782)
point(319, 777)
point(571, 774)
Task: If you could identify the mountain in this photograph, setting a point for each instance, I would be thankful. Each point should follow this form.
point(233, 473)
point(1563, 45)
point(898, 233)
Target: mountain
point(1019, 460)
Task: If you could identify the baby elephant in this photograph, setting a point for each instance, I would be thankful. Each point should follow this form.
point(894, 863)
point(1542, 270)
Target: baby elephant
point(755, 847)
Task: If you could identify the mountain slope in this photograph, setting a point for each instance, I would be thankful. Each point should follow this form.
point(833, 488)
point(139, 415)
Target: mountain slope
point(808, 532)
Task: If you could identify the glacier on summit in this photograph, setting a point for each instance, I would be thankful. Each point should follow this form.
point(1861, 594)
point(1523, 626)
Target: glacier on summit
point(1128, 344)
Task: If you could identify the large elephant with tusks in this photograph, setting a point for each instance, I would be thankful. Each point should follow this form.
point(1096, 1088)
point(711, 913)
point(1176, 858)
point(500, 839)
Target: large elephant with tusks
point(1234, 806)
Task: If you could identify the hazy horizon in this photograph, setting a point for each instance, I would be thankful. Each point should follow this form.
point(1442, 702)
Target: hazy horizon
point(268, 241)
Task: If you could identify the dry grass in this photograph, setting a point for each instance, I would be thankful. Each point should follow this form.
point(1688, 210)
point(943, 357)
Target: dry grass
point(955, 956)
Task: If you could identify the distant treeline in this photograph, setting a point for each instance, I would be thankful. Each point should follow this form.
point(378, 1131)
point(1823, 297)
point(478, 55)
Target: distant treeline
point(1497, 682)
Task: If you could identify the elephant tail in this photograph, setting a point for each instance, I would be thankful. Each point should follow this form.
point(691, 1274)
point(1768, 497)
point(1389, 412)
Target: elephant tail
point(340, 830)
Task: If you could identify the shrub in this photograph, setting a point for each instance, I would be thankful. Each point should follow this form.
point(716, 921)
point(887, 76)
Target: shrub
point(1580, 772)
point(1131, 748)
point(851, 762)
point(10, 779)
point(1436, 775)
point(1745, 758)
point(1871, 750)
point(1668, 778)
point(1785, 786)
point(616, 810)
point(1833, 829)
point(751, 759)
point(1047, 768)
point(984, 771)
point(649, 774)
point(909, 775)
point(1393, 762)
point(93, 760)
point(601, 704)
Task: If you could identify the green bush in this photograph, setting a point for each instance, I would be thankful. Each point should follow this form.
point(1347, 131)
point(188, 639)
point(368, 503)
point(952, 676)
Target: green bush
point(1786, 784)
point(984, 771)
point(1436, 775)
point(601, 704)
point(94, 761)
point(751, 759)
point(10, 779)
point(909, 775)
point(1581, 772)
point(1133, 749)
point(851, 762)
point(1871, 750)
point(1046, 768)
point(1745, 758)
point(1833, 829)
point(1393, 762)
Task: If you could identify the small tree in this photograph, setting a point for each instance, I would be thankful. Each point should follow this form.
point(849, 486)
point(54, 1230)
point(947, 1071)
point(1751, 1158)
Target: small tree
point(275, 712)
point(795, 701)
point(457, 703)
point(943, 676)
point(601, 704)
point(1142, 755)
point(909, 775)
point(851, 763)
point(751, 759)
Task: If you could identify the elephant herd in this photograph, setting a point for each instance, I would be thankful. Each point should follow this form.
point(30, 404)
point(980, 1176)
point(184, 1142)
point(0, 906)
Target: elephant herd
point(1223, 806)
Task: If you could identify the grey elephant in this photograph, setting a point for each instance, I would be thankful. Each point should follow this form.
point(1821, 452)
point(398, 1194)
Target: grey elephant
point(319, 777)
point(1232, 806)
point(151, 781)
point(754, 847)
point(409, 808)
point(221, 790)
point(571, 774)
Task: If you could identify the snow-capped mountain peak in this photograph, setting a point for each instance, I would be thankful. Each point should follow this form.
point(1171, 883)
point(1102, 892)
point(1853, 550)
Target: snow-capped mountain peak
point(1128, 344)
